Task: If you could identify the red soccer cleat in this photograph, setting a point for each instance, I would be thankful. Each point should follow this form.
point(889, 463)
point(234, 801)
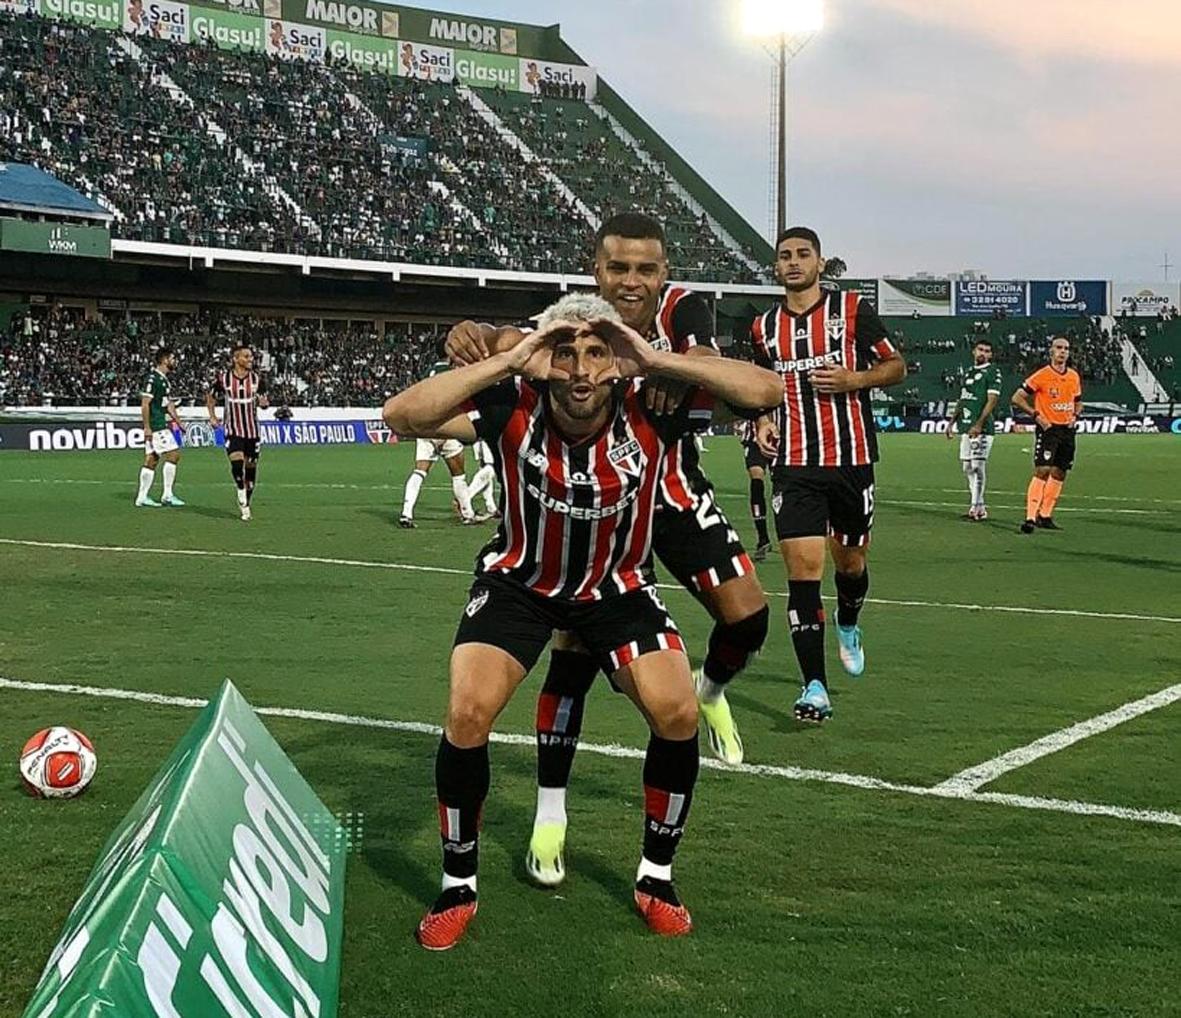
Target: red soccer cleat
point(661, 909)
point(445, 923)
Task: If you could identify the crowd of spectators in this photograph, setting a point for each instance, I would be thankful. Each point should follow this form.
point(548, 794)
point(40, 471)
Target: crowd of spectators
point(324, 159)
point(57, 355)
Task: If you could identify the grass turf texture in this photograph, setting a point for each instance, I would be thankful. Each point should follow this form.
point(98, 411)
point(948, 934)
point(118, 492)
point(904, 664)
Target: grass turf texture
point(808, 898)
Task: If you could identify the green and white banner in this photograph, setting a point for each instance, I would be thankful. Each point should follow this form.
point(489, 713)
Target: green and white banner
point(488, 70)
point(55, 238)
point(228, 29)
point(220, 894)
point(99, 13)
point(364, 51)
point(914, 296)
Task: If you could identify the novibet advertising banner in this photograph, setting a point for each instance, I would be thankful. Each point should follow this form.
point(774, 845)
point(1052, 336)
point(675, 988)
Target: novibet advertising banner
point(220, 894)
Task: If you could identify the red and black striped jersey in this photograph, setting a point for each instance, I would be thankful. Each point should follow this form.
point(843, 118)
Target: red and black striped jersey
point(577, 518)
point(239, 396)
point(818, 429)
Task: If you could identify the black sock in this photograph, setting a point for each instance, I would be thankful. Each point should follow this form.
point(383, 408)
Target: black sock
point(758, 508)
point(733, 644)
point(559, 714)
point(851, 591)
point(251, 474)
point(461, 784)
point(238, 470)
point(805, 619)
point(670, 772)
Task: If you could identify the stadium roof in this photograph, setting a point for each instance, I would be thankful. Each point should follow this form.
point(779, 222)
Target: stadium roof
point(26, 189)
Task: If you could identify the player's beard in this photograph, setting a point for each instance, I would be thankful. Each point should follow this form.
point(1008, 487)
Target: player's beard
point(802, 284)
point(576, 409)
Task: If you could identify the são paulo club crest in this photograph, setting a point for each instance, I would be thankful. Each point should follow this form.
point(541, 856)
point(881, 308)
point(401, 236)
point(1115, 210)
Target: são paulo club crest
point(379, 433)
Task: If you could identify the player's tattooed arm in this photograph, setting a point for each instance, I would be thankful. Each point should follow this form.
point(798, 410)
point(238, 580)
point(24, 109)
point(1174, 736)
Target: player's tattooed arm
point(211, 406)
point(145, 412)
point(470, 342)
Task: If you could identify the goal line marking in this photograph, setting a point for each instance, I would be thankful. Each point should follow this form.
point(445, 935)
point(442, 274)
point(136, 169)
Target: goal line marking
point(987, 772)
point(862, 781)
point(263, 556)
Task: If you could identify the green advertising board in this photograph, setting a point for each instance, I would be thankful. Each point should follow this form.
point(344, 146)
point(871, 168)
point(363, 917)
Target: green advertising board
point(247, 8)
point(220, 894)
point(99, 13)
point(228, 30)
point(364, 51)
point(415, 25)
point(487, 70)
point(55, 238)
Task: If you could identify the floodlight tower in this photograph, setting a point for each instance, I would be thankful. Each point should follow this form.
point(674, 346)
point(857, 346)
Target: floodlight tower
point(790, 25)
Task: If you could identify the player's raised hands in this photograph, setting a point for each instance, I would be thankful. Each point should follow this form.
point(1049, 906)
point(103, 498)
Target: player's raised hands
point(634, 356)
point(467, 343)
point(533, 356)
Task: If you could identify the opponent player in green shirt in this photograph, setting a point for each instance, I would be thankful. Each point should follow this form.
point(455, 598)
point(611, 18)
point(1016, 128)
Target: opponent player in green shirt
point(157, 408)
point(970, 417)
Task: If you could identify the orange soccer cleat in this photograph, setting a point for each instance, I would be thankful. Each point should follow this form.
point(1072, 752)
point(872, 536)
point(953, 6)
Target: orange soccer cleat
point(445, 923)
point(661, 909)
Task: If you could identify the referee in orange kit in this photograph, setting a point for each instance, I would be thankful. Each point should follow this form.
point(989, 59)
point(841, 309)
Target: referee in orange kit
point(1057, 393)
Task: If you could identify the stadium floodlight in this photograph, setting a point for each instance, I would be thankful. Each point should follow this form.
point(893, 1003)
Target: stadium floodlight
point(791, 24)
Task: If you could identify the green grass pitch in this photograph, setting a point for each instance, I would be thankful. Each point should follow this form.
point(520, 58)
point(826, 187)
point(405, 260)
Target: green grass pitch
point(810, 898)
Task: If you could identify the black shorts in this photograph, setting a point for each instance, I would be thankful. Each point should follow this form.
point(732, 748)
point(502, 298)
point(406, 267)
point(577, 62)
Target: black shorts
point(1054, 447)
point(236, 443)
point(824, 502)
point(699, 548)
point(617, 630)
point(754, 455)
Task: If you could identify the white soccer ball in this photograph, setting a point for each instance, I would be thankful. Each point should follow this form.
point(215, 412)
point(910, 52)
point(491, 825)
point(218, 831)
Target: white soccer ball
point(57, 763)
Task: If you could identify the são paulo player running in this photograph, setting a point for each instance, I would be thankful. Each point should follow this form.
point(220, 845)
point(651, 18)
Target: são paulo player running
point(240, 390)
point(693, 539)
point(830, 349)
point(580, 458)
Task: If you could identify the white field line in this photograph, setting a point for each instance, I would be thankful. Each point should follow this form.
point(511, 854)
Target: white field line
point(985, 773)
point(732, 496)
point(861, 781)
point(444, 570)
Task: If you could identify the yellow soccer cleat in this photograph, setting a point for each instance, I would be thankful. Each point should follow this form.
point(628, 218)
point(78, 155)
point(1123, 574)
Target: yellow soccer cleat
point(545, 861)
point(724, 740)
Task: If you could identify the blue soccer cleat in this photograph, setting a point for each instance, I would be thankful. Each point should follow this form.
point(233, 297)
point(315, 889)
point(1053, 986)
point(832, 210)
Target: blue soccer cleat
point(852, 653)
point(813, 704)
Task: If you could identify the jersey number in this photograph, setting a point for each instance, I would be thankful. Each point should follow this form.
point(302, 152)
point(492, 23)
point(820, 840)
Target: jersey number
point(867, 502)
point(706, 517)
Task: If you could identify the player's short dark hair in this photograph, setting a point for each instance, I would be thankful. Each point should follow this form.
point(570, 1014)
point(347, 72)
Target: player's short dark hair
point(632, 226)
point(799, 233)
point(983, 341)
point(162, 353)
point(240, 345)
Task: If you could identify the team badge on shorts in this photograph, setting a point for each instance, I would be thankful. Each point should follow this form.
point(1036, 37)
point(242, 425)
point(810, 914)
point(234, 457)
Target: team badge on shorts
point(476, 603)
point(777, 502)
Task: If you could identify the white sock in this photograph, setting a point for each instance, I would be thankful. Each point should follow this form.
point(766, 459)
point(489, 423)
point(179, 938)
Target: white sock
point(709, 691)
point(459, 487)
point(970, 474)
point(242, 497)
point(169, 477)
point(551, 806)
point(146, 476)
point(482, 482)
point(410, 498)
point(450, 882)
point(981, 480)
point(651, 869)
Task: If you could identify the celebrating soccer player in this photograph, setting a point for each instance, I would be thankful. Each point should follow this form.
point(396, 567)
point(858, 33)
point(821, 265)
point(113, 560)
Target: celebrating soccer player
point(693, 538)
point(1057, 393)
point(580, 458)
point(970, 417)
point(830, 349)
point(241, 391)
point(157, 409)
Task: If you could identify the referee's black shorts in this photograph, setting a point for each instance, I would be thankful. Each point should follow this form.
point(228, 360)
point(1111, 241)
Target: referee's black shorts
point(1054, 447)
